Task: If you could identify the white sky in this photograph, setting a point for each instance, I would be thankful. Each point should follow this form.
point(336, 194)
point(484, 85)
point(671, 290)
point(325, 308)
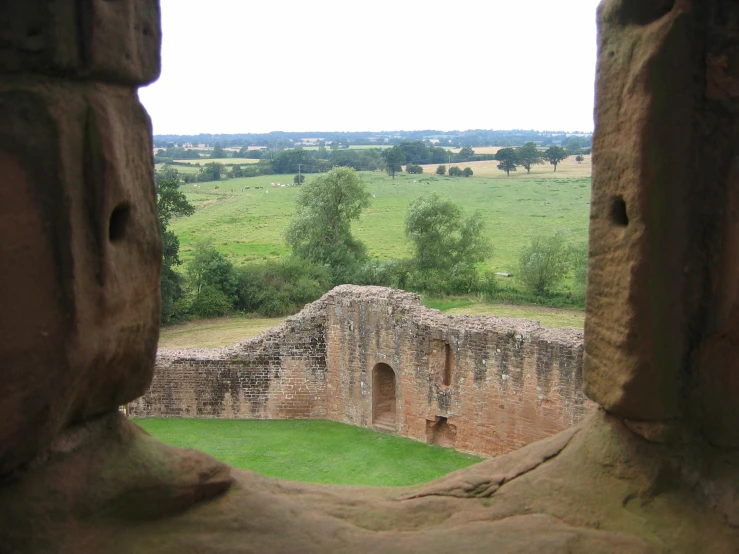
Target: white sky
point(238, 66)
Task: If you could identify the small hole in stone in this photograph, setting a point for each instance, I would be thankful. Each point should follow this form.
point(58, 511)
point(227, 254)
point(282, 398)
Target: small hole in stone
point(119, 222)
point(618, 212)
point(611, 54)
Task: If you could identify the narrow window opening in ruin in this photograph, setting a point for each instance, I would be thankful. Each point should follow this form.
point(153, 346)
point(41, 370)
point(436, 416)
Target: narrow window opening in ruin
point(440, 432)
point(118, 222)
point(618, 212)
point(384, 401)
point(447, 379)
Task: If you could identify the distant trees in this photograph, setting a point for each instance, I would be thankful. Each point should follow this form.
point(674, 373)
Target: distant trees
point(467, 172)
point(554, 155)
point(528, 155)
point(298, 179)
point(413, 169)
point(321, 231)
point(574, 144)
point(177, 153)
point(454, 171)
point(441, 170)
point(218, 152)
point(394, 160)
point(508, 160)
point(579, 158)
point(289, 160)
point(465, 154)
point(212, 171)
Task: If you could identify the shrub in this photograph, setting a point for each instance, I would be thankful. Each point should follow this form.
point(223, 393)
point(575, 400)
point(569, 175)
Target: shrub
point(579, 257)
point(282, 287)
point(413, 168)
point(211, 302)
point(441, 170)
point(544, 263)
point(454, 171)
point(208, 267)
point(467, 172)
point(393, 273)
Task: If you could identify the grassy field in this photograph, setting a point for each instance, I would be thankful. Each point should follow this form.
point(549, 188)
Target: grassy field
point(229, 161)
point(311, 451)
point(209, 333)
point(248, 225)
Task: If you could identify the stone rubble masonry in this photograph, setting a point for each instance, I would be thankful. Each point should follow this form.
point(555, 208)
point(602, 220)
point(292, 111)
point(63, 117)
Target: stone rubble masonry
point(490, 385)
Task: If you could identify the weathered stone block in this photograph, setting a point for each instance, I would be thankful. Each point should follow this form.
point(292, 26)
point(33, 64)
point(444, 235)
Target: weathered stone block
point(78, 216)
point(115, 42)
point(636, 328)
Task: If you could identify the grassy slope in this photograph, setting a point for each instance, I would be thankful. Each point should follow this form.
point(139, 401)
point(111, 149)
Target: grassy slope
point(248, 225)
point(312, 451)
point(209, 333)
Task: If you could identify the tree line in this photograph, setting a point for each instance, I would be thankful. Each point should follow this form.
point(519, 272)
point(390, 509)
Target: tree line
point(529, 155)
point(453, 139)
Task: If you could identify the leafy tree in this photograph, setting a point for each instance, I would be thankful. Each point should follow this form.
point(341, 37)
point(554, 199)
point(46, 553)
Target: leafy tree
point(298, 179)
point(573, 144)
point(209, 267)
point(454, 171)
point(528, 155)
point(441, 170)
point(394, 159)
point(508, 160)
point(413, 168)
point(236, 171)
point(544, 263)
point(171, 203)
point(288, 161)
point(579, 158)
point(321, 232)
point(211, 302)
point(212, 171)
point(465, 154)
point(554, 155)
point(442, 237)
point(218, 152)
point(467, 172)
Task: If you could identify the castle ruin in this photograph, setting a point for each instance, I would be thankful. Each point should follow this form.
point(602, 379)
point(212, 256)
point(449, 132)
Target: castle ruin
point(378, 358)
point(655, 468)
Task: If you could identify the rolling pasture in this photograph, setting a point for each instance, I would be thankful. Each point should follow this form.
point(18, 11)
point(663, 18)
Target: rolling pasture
point(248, 225)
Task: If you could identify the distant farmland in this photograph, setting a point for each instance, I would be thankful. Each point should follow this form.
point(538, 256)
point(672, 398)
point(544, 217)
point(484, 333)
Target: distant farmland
point(248, 225)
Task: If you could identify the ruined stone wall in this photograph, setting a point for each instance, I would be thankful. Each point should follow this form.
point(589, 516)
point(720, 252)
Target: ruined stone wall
point(485, 385)
point(279, 374)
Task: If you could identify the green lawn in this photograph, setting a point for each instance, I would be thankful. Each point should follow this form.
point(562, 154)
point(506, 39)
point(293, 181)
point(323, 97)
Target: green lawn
point(311, 451)
point(248, 225)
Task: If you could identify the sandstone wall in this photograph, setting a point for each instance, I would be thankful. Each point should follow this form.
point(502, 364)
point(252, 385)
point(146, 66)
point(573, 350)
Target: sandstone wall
point(485, 385)
point(279, 374)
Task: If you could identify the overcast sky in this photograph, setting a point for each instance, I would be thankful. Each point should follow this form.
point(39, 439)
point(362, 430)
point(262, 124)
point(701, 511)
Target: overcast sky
point(236, 66)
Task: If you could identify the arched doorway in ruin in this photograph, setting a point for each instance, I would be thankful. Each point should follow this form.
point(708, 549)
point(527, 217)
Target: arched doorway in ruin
point(384, 401)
